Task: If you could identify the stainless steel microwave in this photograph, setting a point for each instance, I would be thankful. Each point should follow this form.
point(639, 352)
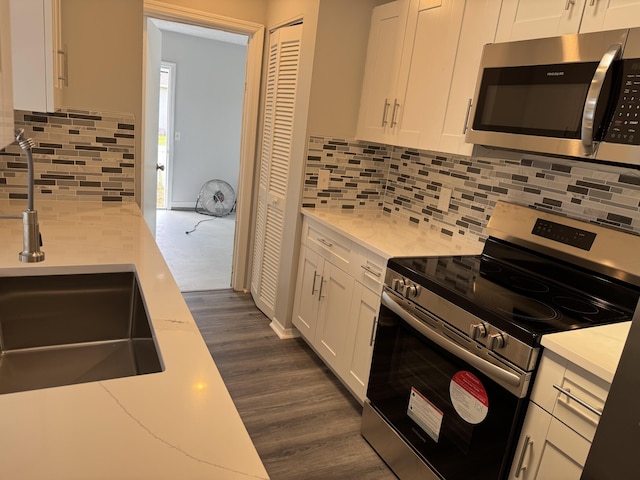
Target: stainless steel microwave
point(573, 95)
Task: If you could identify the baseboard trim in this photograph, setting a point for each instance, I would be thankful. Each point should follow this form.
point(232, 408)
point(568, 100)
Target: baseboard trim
point(183, 206)
point(283, 333)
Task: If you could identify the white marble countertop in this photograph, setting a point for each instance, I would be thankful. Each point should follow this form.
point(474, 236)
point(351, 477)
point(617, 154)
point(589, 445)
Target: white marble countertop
point(391, 237)
point(596, 349)
point(177, 424)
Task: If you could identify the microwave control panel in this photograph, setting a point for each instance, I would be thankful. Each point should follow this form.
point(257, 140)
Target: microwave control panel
point(624, 127)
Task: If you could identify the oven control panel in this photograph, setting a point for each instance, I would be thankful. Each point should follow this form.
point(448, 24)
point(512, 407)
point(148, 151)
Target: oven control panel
point(474, 329)
point(564, 234)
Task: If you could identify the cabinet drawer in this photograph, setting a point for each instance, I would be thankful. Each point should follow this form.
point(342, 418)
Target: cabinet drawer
point(570, 393)
point(329, 244)
point(581, 386)
point(368, 268)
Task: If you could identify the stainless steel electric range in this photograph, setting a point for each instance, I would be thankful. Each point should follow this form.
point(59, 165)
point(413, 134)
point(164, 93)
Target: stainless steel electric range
point(458, 338)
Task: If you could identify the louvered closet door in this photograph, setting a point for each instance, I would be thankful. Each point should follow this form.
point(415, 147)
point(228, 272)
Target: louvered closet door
point(282, 78)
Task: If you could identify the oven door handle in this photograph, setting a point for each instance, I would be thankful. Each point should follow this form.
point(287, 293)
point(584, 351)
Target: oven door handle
point(488, 368)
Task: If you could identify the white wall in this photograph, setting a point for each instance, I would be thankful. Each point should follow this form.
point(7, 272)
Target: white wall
point(208, 112)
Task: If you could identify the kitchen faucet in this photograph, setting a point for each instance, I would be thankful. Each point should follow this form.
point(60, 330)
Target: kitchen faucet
point(31, 240)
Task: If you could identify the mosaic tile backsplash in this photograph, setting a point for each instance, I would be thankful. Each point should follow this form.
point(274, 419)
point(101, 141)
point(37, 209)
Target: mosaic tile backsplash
point(79, 155)
point(408, 184)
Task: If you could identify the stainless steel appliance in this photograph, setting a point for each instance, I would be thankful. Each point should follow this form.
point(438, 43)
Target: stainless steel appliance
point(458, 338)
point(574, 95)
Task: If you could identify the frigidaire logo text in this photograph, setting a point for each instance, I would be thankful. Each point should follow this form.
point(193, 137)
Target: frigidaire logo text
point(555, 74)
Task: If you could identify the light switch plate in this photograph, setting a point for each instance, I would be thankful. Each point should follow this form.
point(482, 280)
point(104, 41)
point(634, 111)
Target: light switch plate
point(323, 178)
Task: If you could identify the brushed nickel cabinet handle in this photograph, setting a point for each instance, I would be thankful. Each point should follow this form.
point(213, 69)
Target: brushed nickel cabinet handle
point(578, 400)
point(394, 112)
point(384, 112)
point(527, 444)
point(569, 3)
point(313, 287)
point(322, 282)
point(63, 76)
point(374, 327)
point(466, 117)
point(370, 270)
point(325, 243)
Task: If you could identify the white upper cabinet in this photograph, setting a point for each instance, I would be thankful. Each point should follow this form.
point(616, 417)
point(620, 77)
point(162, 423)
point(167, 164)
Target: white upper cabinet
point(377, 102)
point(426, 67)
point(478, 28)
point(526, 19)
point(610, 15)
point(39, 61)
point(422, 102)
point(6, 95)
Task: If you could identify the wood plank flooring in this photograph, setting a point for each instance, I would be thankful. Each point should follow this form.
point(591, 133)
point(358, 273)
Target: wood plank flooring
point(304, 423)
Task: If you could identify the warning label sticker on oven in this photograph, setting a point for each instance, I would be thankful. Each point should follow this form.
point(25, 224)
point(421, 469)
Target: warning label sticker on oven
point(425, 414)
point(469, 397)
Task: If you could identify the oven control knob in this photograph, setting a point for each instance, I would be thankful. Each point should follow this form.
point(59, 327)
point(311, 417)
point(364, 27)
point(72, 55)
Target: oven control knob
point(397, 284)
point(478, 330)
point(496, 341)
point(411, 291)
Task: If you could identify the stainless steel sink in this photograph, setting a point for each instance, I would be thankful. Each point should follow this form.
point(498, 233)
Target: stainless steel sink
point(65, 329)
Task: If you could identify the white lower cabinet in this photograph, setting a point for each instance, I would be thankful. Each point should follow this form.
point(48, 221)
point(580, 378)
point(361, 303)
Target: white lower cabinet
point(548, 449)
point(337, 301)
point(360, 336)
point(334, 295)
point(560, 423)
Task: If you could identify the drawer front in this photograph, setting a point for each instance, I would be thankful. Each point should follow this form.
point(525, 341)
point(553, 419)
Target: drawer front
point(580, 396)
point(368, 268)
point(570, 393)
point(328, 243)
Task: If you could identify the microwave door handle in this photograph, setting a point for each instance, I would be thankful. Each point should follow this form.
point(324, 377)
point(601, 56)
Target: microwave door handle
point(489, 369)
point(593, 95)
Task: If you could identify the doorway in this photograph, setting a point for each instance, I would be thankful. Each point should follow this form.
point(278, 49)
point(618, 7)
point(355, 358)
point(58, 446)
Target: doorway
point(203, 145)
point(153, 38)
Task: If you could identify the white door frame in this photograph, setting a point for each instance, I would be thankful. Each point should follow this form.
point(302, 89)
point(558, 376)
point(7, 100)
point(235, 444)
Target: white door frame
point(241, 264)
point(168, 166)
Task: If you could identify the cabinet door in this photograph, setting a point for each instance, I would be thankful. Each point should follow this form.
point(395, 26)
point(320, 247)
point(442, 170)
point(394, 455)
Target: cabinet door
point(564, 453)
point(526, 19)
point(362, 322)
point(38, 57)
point(305, 311)
point(610, 15)
point(6, 91)
point(335, 291)
point(376, 102)
point(478, 28)
point(531, 444)
point(429, 51)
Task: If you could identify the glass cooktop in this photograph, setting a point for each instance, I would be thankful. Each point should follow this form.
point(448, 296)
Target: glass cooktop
point(521, 292)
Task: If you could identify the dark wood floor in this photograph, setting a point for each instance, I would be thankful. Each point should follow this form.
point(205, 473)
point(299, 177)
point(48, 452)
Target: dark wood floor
point(304, 423)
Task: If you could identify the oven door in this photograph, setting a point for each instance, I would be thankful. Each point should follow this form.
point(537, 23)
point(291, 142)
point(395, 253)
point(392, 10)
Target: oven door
point(455, 417)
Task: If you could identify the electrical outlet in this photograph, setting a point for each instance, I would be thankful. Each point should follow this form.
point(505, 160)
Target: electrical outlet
point(445, 198)
point(323, 179)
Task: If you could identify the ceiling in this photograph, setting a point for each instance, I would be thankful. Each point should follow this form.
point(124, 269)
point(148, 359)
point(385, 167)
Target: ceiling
point(210, 33)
